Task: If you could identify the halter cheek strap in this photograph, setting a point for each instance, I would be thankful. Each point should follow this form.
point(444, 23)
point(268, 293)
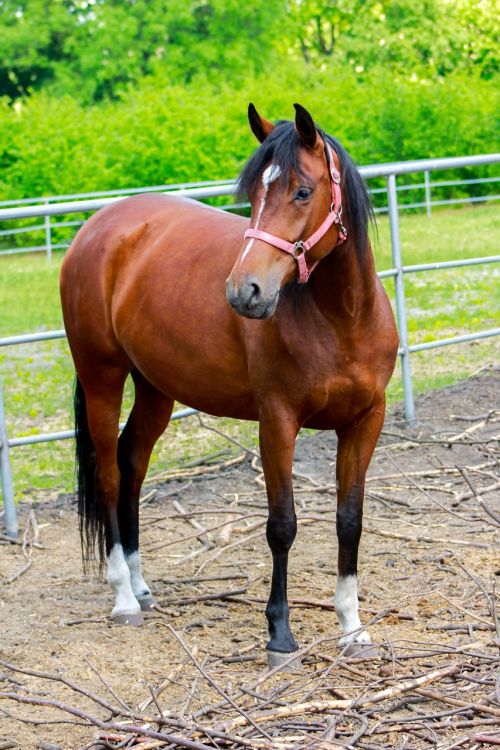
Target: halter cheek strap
point(299, 249)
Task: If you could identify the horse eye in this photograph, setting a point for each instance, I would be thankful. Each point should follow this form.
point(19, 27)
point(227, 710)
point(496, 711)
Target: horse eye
point(302, 194)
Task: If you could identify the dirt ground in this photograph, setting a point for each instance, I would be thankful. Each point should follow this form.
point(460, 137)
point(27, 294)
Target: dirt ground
point(429, 560)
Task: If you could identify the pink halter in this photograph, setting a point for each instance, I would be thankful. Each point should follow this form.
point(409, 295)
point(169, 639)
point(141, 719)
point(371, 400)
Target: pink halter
point(299, 249)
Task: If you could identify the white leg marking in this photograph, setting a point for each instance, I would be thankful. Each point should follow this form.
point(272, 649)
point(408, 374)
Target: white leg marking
point(346, 606)
point(270, 174)
point(119, 579)
point(139, 586)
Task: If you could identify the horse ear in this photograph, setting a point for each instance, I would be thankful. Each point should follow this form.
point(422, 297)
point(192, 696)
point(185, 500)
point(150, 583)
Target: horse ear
point(260, 128)
point(304, 124)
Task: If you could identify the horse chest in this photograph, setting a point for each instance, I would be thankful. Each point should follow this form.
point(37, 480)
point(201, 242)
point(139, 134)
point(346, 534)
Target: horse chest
point(326, 382)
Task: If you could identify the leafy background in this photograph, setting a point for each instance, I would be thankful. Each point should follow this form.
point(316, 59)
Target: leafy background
point(101, 94)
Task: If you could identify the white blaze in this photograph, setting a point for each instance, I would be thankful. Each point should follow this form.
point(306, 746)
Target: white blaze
point(269, 175)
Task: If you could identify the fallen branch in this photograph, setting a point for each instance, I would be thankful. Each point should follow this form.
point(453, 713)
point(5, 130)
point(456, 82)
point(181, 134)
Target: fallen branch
point(200, 471)
point(94, 720)
point(330, 705)
point(208, 597)
point(244, 716)
point(425, 539)
point(477, 707)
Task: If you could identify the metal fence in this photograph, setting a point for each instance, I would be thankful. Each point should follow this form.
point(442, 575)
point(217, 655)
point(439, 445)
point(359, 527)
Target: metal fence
point(203, 191)
point(58, 235)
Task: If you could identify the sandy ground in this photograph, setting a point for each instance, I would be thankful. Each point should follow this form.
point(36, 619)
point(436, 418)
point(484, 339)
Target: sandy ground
point(427, 549)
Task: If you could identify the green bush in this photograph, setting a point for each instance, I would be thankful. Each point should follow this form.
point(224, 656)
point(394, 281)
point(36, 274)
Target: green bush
point(162, 133)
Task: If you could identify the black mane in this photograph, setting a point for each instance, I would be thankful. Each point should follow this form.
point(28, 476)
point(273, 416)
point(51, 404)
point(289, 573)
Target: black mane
point(282, 148)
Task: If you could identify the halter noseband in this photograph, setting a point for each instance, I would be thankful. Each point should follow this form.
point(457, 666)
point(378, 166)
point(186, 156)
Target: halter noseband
point(299, 249)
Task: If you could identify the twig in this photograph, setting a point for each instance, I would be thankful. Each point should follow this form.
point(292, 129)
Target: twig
point(224, 550)
point(479, 499)
point(426, 539)
point(31, 537)
point(85, 620)
point(202, 531)
point(328, 705)
point(113, 725)
point(432, 472)
point(228, 437)
point(246, 719)
point(157, 691)
point(69, 683)
point(478, 707)
point(487, 739)
point(202, 579)
point(423, 491)
point(208, 597)
point(489, 599)
point(107, 686)
point(193, 690)
point(200, 471)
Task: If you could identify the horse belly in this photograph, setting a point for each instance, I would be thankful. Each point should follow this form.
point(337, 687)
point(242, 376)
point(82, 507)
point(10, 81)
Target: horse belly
point(186, 347)
point(215, 386)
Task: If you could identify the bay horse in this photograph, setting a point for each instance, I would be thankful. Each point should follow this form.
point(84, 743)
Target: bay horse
point(308, 339)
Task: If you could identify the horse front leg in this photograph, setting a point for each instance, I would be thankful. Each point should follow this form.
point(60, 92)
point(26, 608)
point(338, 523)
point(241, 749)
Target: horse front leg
point(277, 434)
point(356, 444)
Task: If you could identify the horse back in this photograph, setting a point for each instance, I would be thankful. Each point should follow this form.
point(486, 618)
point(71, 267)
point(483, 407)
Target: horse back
point(143, 285)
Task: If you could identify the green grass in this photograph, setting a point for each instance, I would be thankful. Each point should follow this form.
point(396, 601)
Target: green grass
point(446, 303)
point(37, 378)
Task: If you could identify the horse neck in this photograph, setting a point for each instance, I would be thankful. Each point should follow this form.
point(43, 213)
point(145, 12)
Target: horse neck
point(343, 285)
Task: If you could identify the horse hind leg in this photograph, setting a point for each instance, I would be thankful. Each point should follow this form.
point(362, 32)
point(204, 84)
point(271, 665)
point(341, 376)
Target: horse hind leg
point(148, 419)
point(355, 449)
point(98, 403)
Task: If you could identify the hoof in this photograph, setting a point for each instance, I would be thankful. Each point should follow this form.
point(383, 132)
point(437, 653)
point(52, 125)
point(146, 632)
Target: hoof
point(282, 659)
point(128, 618)
point(147, 602)
point(361, 650)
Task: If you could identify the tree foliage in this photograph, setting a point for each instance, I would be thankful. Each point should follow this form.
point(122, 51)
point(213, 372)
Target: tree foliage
point(436, 35)
point(93, 49)
point(117, 93)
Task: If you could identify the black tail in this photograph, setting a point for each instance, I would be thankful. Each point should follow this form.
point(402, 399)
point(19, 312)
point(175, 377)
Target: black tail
point(89, 510)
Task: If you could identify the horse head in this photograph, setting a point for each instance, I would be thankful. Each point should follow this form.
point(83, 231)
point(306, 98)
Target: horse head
point(293, 183)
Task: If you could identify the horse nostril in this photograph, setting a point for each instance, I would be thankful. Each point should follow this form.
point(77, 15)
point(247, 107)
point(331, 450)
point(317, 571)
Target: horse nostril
point(247, 298)
point(254, 295)
point(255, 291)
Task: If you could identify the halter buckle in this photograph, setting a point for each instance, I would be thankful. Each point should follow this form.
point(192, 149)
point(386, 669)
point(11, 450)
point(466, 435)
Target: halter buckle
point(342, 229)
point(298, 249)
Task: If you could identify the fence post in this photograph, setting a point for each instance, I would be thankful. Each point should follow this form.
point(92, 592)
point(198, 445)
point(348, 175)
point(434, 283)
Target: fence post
point(48, 235)
point(427, 183)
point(6, 477)
point(392, 197)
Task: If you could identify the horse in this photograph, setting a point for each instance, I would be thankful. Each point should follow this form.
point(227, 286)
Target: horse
point(280, 318)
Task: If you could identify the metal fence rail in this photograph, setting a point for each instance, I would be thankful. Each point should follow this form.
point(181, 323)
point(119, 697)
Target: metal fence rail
point(201, 191)
point(48, 228)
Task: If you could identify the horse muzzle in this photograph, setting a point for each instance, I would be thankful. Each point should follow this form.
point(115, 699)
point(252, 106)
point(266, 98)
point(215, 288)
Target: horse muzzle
point(248, 299)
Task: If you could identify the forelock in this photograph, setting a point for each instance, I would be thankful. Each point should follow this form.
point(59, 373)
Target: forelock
point(281, 148)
